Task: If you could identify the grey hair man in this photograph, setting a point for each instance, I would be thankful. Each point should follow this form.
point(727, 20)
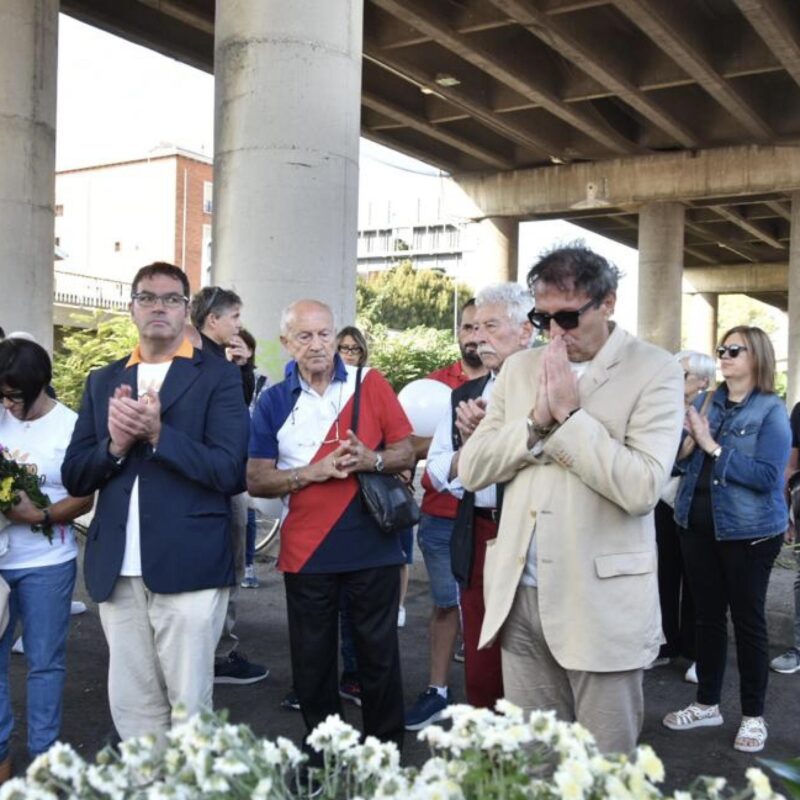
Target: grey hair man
point(583, 433)
point(501, 329)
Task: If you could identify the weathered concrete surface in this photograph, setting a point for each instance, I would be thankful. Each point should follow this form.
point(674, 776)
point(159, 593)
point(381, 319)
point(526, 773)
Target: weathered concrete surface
point(631, 182)
point(701, 329)
point(28, 61)
point(498, 253)
point(660, 273)
point(736, 278)
point(287, 115)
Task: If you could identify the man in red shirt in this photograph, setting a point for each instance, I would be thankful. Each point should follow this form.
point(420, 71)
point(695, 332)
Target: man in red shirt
point(435, 529)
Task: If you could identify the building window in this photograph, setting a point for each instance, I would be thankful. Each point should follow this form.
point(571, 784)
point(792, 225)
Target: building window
point(117, 247)
point(59, 209)
point(208, 197)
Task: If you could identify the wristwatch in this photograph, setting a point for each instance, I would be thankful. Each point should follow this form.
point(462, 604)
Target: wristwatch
point(716, 452)
point(379, 462)
point(536, 429)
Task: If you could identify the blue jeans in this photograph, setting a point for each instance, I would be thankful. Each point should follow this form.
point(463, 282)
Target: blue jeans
point(434, 535)
point(40, 597)
point(250, 538)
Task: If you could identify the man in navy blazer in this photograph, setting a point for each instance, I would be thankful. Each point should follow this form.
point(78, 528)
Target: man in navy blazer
point(162, 435)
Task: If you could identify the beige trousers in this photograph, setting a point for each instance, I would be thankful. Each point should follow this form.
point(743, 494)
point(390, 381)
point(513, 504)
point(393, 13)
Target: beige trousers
point(609, 704)
point(161, 653)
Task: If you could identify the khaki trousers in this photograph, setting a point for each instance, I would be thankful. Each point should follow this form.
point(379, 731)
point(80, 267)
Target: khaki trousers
point(609, 704)
point(161, 653)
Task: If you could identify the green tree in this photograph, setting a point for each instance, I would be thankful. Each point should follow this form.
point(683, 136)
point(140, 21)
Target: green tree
point(410, 355)
point(404, 297)
point(103, 340)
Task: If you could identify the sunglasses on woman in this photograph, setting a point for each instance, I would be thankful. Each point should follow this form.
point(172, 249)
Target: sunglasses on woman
point(351, 350)
point(732, 350)
point(566, 320)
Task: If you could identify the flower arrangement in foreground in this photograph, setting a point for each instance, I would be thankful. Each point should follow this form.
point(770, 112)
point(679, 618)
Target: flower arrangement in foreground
point(484, 755)
point(15, 478)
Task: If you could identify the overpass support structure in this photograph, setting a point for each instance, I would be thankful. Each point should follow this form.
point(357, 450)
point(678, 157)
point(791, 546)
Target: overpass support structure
point(287, 121)
point(28, 69)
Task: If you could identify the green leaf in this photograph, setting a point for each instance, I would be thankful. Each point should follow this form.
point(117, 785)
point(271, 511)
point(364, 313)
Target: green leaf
point(787, 771)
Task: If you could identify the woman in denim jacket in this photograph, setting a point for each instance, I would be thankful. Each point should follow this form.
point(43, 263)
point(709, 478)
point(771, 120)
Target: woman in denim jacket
point(731, 516)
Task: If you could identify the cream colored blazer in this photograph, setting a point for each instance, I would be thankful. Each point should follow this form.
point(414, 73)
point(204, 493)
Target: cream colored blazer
point(589, 493)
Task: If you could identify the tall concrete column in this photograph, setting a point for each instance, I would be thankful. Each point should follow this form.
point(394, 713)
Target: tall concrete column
point(660, 273)
point(287, 123)
point(496, 256)
point(793, 387)
point(701, 329)
point(28, 66)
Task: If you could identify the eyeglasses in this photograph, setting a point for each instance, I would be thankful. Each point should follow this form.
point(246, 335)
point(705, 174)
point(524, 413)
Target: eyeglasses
point(12, 397)
point(732, 350)
point(350, 349)
point(149, 300)
point(566, 320)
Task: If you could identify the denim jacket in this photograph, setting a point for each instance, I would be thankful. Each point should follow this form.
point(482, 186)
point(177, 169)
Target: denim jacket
point(747, 479)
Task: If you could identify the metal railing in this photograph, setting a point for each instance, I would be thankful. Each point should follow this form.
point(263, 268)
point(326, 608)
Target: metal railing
point(86, 291)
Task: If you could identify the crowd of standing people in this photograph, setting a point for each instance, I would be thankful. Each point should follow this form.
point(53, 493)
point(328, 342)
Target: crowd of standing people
point(537, 529)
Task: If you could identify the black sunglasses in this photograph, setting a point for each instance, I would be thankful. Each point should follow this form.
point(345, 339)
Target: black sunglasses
point(566, 320)
point(732, 350)
point(12, 396)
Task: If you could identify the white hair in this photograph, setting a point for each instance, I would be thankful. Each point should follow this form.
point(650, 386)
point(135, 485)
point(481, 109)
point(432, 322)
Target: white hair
point(288, 313)
point(517, 300)
point(698, 363)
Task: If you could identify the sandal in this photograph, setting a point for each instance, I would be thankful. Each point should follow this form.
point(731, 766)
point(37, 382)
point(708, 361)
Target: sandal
point(752, 735)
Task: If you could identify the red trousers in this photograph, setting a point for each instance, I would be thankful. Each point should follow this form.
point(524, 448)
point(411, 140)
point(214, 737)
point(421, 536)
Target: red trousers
point(483, 673)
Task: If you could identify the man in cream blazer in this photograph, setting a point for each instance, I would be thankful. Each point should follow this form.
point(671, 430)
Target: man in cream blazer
point(583, 432)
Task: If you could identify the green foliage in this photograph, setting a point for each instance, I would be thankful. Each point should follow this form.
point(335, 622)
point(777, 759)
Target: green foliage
point(412, 354)
point(739, 309)
point(404, 297)
point(787, 771)
point(103, 340)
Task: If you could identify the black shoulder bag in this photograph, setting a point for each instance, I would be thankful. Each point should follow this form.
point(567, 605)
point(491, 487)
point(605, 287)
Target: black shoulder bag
point(387, 498)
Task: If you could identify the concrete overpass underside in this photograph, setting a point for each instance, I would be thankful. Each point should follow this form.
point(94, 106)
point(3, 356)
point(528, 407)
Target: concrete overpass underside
point(668, 125)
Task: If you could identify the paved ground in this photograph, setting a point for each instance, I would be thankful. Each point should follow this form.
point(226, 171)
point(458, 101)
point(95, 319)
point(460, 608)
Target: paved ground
point(263, 631)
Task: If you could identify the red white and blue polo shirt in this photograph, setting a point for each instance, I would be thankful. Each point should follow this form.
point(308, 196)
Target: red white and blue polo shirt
point(325, 527)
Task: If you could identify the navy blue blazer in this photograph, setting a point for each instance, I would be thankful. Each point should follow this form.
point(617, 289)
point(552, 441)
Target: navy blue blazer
point(184, 485)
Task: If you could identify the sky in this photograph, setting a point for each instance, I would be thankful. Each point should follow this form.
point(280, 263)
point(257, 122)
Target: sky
point(118, 101)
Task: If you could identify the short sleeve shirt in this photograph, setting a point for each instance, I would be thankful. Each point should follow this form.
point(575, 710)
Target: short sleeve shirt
point(325, 527)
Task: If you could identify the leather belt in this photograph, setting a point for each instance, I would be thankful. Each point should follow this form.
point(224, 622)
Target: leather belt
point(487, 513)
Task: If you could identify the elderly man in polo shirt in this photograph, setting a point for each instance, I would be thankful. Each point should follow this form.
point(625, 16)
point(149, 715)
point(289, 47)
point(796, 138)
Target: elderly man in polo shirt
point(162, 435)
point(302, 449)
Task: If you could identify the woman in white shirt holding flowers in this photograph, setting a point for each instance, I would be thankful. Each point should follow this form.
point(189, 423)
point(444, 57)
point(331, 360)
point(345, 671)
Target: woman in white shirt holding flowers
point(35, 430)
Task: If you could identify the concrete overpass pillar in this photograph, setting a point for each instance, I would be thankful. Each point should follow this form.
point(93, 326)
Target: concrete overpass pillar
point(28, 67)
point(287, 122)
point(660, 273)
point(497, 257)
point(793, 387)
point(701, 334)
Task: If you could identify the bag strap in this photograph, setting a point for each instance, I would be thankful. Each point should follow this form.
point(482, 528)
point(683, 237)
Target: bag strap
point(356, 403)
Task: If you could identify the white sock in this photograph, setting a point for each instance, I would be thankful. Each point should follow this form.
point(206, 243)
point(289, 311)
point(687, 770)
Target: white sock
point(440, 690)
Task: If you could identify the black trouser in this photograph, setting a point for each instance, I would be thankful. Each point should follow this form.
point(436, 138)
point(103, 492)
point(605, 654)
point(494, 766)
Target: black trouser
point(677, 607)
point(313, 608)
point(722, 575)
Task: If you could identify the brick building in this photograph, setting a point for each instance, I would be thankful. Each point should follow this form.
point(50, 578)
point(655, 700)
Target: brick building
point(113, 218)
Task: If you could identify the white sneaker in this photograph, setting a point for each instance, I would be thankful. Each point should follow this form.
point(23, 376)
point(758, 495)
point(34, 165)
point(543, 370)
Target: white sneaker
point(77, 607)
point(691, 673)
point(401, 617)
point(693, 716)
point(17, 646)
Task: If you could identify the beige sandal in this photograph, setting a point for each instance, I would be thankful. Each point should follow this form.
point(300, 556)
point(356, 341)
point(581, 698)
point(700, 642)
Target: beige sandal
point(752, 735)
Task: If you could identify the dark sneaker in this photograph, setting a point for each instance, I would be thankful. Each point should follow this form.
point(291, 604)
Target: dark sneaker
point(290, 701)
point(238, 670)
point(350, 689)
point(428, 708)
point(787, 663)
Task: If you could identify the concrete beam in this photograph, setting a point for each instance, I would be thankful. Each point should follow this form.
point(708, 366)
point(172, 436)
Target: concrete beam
point(677, 37)
point(736, 279)
point(630, 182)
point(437, 28)
point(737, 219)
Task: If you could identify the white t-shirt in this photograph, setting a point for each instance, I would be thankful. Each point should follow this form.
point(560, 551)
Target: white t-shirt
point(149, 376)
point(41, 444)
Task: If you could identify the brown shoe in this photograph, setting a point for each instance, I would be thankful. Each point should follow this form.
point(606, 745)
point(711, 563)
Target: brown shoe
point(5, 770)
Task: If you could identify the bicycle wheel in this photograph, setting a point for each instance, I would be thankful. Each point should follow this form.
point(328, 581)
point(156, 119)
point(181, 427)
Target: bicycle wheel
point(267, 530)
